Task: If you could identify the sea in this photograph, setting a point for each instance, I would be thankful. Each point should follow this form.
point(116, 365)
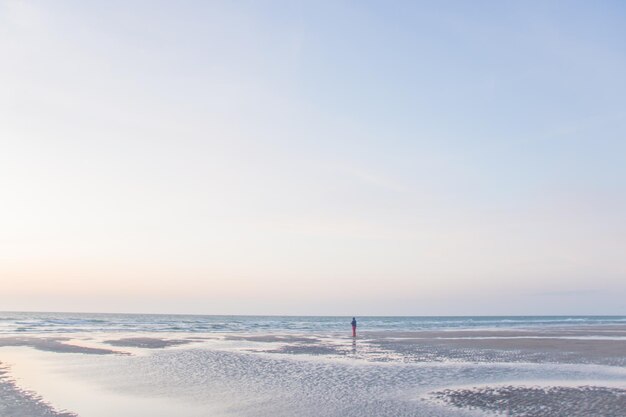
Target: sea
point(37, 323)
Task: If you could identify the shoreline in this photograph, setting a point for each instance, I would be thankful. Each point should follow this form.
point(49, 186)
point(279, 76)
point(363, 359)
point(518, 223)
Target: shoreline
point(453, 371)
point(15, 401)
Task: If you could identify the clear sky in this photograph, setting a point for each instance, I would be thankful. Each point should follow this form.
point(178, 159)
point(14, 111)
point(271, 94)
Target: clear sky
point(313, 157)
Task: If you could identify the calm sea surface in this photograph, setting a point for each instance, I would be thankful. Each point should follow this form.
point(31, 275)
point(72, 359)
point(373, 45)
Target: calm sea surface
point(24, 322)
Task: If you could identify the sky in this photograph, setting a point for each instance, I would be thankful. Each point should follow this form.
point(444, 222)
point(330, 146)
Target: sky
point(313, 157)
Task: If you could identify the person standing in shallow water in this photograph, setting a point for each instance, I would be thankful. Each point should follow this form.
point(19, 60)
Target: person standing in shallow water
point(353, 327)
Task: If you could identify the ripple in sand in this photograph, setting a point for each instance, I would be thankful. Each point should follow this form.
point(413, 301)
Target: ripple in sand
point(558, 401)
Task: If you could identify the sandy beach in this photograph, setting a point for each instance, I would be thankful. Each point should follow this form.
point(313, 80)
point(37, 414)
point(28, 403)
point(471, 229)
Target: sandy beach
point(567, 371)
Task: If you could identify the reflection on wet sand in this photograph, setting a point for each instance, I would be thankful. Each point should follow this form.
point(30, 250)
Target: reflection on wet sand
point(255, 375)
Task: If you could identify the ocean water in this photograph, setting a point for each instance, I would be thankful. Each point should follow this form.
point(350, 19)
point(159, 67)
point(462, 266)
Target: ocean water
point(37, 323)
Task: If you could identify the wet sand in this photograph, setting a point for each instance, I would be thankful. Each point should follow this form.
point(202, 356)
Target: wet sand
point(55, 344)
point(599, 344)
point(605, 345)
point(147, 342)
point(462, 370)
point(15, 402)
point(583, 401)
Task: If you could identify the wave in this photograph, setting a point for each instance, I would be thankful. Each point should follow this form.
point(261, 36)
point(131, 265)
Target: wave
point(73, 322)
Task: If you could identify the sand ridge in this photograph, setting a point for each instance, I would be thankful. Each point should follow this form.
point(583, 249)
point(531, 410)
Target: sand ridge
point(552, 401)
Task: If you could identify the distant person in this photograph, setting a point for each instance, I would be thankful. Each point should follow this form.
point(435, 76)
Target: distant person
point(353, 327)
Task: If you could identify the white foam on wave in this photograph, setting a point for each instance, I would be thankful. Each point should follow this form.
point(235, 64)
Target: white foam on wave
point(86, 322)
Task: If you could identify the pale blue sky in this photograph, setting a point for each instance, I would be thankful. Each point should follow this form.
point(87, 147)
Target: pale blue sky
point(313, 157)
